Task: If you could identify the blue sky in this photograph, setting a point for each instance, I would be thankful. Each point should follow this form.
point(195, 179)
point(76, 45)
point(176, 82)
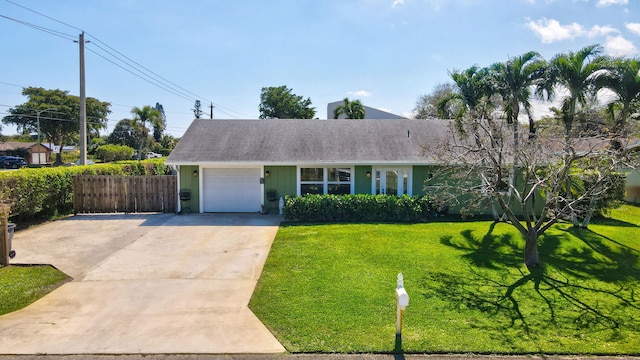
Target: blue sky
point(384, 52)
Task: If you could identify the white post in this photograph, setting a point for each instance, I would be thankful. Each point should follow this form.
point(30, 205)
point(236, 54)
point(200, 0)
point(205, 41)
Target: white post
point(402, 301)
point(281, 206)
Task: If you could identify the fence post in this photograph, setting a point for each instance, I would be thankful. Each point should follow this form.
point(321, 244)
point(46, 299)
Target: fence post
point(4, 238)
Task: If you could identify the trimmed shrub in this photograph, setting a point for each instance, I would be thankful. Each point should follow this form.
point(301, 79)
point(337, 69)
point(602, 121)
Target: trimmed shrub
point(358, 208)
point(111, 152)
point(45, 192)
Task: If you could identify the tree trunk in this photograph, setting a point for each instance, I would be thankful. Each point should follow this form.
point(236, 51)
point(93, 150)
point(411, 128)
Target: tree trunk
point(59, 157)
point(531, 249)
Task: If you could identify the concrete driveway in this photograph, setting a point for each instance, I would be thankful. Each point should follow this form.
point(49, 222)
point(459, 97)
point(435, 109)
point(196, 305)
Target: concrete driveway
point(145, 284)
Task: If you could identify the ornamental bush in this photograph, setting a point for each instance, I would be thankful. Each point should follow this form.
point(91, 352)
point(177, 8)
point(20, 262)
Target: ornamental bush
point(111, 152)
point(45, 192)
point(358, 208)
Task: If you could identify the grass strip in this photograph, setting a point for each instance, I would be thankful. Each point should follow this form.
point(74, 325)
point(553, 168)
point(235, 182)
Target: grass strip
point(22, 285)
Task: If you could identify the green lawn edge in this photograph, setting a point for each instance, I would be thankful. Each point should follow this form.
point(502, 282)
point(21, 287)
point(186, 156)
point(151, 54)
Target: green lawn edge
point(329, 288)
point(21, 285)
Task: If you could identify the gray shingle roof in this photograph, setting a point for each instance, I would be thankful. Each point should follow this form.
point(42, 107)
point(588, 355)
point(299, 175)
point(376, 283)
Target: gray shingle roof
point(277, 141)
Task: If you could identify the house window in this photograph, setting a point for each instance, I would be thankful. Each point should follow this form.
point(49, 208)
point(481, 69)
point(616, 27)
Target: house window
point(339, 181)
point(311, 181)
point(336, 181)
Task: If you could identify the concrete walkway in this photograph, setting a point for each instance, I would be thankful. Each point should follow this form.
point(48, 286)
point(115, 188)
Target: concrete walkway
point(145, 284)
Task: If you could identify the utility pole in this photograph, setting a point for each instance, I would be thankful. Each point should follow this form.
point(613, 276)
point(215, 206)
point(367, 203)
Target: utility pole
point(211, 116)
point(83, 106)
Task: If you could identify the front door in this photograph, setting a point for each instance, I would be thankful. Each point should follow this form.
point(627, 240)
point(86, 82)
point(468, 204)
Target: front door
point(393, 181)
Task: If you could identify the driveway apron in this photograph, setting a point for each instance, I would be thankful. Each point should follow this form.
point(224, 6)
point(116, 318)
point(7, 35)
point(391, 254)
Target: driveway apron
point(145, 284)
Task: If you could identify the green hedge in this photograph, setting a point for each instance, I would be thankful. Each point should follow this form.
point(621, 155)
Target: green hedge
point(358, 208)
point(112, 152)
point(45, 192)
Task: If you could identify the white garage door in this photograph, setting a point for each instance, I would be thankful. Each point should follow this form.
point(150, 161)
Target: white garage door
point(231, 190)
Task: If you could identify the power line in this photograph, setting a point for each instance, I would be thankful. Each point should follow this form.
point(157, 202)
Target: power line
point(166, 84)
point(10, 84)
point(118, 52)
point(41, 28)
point(140, 77)
point(128, 58)
point(48, 17)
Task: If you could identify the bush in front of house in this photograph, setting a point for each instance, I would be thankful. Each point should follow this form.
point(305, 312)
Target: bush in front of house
point(358, 208)
point(45, 192)
point(111, 152)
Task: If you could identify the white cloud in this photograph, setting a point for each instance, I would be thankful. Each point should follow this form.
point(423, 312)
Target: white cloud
point(362, 93)
point(619, 46)
point(550, 30)
point(633, 27)
point(598, 30)
point(397, 3)
point(602, 3)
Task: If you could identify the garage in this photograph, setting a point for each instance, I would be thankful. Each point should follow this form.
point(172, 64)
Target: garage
point(232, 190)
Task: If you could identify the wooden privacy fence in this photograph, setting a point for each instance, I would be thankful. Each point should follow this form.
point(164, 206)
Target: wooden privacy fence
point(109, 193)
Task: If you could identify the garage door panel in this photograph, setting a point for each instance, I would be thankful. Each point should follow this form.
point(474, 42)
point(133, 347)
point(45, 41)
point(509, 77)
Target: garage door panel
point(232, 190)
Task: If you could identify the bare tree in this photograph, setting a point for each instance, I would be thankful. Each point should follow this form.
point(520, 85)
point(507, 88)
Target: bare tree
point(476, 168)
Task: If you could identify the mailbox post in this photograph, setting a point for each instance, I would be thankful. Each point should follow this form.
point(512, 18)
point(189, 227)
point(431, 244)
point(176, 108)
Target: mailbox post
point(402, 301)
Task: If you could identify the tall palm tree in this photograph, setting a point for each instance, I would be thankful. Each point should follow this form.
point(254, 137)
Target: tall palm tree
point(350, 110)
point(578, 74)
point(514, 80)
point(140, 118)
point(472, 96)
point(623, 79)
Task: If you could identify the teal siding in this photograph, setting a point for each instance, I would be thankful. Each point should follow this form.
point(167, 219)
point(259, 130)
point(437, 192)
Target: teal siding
point(362, 183)
point(420, 176)
point(190, 182)
point(282, 179)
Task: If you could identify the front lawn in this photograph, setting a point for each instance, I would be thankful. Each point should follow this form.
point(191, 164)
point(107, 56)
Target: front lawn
point(330, 288)
point(22, 285)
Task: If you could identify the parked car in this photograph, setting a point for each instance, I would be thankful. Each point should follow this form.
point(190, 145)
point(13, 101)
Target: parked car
point(151, 155)
point(12, 162)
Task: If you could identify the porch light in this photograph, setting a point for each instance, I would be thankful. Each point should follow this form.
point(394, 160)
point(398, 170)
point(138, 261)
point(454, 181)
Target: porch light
point(368, 174)
point(195, 173)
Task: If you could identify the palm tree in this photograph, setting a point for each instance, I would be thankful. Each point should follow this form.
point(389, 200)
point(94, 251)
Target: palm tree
point(623, 79)
point(350, 110)
point(578, 73)
point(140, 118)
point(472, 97)
point(514, 80)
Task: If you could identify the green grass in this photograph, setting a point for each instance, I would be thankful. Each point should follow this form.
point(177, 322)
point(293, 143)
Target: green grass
point(22, 285)
point(330, 288)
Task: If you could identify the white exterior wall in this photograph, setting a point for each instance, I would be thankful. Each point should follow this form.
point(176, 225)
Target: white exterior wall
point(633, 187)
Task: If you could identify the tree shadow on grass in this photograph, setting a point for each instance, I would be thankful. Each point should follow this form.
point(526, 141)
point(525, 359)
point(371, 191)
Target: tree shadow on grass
point(592, 287)
point(491, 251)
point(600, 258)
